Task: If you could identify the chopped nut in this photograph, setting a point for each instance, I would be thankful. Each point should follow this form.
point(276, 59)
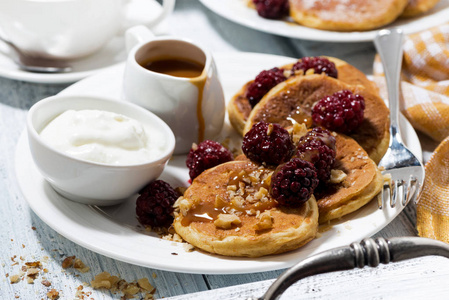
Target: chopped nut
point(287, 73)
point(269, 129)
point(79, 292)
point(80, 266)
point(68, 262)
point(33, 264)
point(32, 272)
point(232, 187)
point(263, 192)
point(188, 247)
point(337, 176)
point(265, 221)
point(219, 201)
point(184, 205)
point(148, 296)
point(225, 221)
point(104, 280)
point(310, 71)
point(53, 294)
point(131, 289)
point(299, 72)
point(177, 238)
point(238, 201)
point(145, 284)
point(298, 131)
point(46, 282)
point(14, 278)
point(120, 285)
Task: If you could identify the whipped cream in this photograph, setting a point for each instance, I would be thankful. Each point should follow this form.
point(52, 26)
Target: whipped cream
point(103, 137)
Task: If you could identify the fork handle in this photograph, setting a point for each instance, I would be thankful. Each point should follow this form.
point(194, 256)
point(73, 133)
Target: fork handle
point(388, 44)
point(369, 252)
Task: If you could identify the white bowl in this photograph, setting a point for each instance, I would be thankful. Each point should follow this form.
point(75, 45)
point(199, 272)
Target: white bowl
point(90, 182)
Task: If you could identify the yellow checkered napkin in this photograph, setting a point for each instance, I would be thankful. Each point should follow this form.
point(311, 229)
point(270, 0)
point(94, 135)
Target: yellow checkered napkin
point(425, 72)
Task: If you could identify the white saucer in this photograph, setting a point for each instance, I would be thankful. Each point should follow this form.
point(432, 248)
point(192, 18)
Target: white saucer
point(113, 53)
point(114, 231)
point(237, 11)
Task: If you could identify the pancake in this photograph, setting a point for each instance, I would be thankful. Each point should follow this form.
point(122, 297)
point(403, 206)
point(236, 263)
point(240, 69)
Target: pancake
point(417, 7)
point(362, 183)
point(252, 227)
point(346, 15)
point(239, 107)
point(292, 100)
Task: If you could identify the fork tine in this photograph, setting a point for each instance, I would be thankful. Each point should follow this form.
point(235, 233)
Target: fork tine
point(413, 189)
point(405, 191)
point(380, 199)
point(393, 193)
point(385, 195)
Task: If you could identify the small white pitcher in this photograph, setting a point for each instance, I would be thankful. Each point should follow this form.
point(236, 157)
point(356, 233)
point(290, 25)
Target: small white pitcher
point(194, 108)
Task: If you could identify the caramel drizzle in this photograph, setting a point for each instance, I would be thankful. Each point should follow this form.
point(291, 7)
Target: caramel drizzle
point(300, 116)
point(200, 82)
point(208, 211)
point(203, 212)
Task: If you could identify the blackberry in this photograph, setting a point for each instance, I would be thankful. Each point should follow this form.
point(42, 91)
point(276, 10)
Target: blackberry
point(272, 9)
point(206, 155)
point(325, 135)
point(342, 112)
point(293, 183)
point(318, 64)
point(264, 82)
point(318, 147)
point(268, 143)
point(154, 206)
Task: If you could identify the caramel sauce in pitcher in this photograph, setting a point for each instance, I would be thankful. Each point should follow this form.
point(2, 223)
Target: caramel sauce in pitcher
point(184, 68)
point(178, 67)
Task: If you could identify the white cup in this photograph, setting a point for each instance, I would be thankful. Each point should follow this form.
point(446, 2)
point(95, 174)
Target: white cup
point(194, 108)
point(65, 29)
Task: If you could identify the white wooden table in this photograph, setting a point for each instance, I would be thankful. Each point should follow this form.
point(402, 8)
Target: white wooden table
point(24, 237)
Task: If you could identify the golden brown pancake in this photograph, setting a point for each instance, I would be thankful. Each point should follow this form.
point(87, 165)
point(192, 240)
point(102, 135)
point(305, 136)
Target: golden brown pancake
point(251, 225)
point(239, 107)
point(346, 15)
point(417, 7)
point(362, 183)
point(294, 98)
point(216, 216)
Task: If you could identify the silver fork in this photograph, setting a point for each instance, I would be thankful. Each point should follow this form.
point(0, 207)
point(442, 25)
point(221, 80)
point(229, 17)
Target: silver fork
point(406, 171)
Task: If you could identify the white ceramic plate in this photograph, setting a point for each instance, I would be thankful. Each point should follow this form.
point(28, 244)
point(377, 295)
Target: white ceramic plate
point(114, 231)
point(113, 53)
point(238, 12)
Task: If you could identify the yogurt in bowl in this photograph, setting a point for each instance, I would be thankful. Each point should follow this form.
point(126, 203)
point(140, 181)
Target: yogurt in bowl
point(95, 150)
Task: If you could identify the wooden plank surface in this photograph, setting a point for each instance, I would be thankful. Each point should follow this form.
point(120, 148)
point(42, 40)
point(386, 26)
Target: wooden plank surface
point(18, 238)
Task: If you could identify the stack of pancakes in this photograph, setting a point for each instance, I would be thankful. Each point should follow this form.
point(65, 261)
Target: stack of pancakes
point(210, 215)
point(355, 15)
